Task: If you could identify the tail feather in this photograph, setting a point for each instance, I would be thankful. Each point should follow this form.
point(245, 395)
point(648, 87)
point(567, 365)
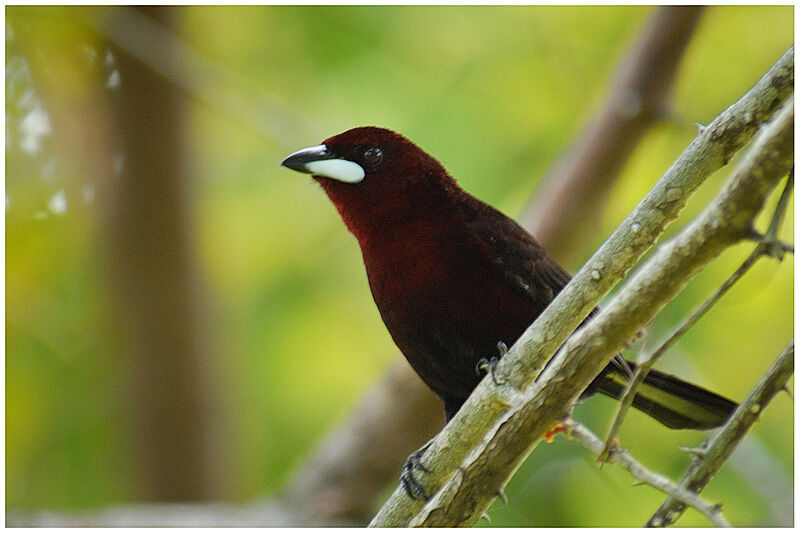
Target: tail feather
point(670, 400)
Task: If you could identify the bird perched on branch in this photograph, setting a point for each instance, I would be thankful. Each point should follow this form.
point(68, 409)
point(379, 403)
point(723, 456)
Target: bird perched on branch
point(454, 279)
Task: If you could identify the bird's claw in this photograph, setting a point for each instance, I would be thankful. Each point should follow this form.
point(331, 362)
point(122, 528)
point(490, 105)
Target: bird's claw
point(487, 366)
point(502, 349)
point(412, 487)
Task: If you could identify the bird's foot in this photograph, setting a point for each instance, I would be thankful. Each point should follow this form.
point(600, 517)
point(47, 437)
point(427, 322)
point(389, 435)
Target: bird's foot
point(485, 366)
point(502, 349)
point(412, 487)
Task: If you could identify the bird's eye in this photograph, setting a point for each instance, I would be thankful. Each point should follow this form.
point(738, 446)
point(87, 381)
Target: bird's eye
point(373, 156)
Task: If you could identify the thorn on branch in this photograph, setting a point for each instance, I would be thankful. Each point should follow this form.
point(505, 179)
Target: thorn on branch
point(695, 451)
point(645, 476)
point(722, 446)
point(502, 497)
point(776, 249)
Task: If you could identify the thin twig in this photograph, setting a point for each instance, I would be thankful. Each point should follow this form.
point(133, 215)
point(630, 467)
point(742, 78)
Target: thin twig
point(623, 458)
point(765, 247)
point(622, 409)
point(769, 242)
point(706, 466)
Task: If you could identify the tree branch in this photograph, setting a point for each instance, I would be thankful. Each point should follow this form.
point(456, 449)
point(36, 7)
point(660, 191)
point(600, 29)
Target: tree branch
point(710, 150)
point(273, 513)
point(478, 451)
point(622, 457)
point(707, 464)
point(764, 248)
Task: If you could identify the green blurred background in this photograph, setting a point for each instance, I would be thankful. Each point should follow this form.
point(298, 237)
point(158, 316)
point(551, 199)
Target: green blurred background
point(496, 94)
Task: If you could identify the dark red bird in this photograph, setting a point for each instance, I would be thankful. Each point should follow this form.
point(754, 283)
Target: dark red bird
point(453, 277)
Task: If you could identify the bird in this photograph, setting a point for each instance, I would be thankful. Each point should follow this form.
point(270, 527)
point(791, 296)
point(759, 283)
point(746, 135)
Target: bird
point(456, 281)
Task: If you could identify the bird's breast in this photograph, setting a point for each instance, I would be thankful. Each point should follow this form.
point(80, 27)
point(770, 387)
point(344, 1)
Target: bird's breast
point(444, 303)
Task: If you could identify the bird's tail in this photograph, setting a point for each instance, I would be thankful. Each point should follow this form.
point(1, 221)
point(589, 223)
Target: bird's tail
point(671, 401)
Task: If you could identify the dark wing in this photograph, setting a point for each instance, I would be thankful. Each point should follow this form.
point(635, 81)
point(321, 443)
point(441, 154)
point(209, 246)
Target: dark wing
point(526, 266)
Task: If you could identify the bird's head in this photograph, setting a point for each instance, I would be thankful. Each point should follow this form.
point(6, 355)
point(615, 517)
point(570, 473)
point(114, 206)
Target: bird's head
point(375, 177)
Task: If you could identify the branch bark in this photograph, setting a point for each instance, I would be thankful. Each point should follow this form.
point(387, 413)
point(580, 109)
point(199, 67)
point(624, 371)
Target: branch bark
point(723, 445)
point(621, 456)
point(473, 458)
point(769, 246)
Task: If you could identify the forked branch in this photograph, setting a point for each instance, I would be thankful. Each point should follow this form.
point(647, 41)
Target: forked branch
point(708, 463)
point(768, 245)
point(475, 455)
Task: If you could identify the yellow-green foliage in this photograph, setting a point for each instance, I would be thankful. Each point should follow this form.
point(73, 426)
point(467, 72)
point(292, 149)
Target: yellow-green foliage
point(495, 93)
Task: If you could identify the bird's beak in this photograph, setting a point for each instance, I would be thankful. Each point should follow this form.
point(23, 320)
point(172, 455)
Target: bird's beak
point(320, 161)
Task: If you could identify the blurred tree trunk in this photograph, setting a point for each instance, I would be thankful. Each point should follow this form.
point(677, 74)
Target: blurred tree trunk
point(119, 124)
point(575, 189)
point(157, 287)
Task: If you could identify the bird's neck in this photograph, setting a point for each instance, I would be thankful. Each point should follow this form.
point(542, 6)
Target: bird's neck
point(397, 214)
